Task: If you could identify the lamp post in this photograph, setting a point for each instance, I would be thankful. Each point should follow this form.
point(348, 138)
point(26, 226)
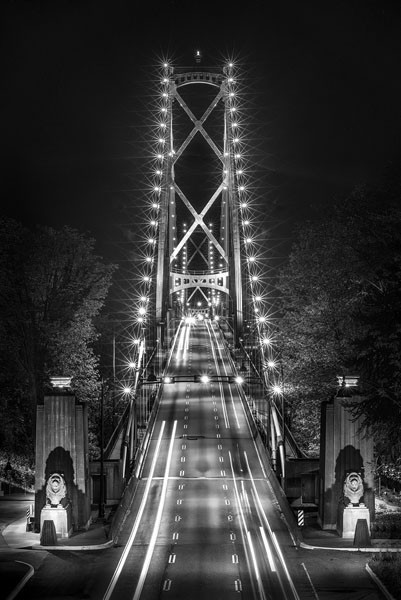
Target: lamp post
point(101, 482)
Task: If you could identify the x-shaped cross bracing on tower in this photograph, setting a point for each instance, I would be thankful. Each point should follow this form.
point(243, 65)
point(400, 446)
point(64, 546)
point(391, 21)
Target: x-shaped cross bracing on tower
point(219, 284)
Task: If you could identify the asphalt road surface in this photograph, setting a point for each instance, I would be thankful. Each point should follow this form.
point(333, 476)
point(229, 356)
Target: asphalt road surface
point(204, 523)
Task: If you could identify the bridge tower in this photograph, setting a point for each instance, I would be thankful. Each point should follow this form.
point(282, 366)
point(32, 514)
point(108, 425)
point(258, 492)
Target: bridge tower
point(199, 188)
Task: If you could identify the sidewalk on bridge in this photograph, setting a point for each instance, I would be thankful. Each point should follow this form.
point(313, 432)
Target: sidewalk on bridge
point(14, 533)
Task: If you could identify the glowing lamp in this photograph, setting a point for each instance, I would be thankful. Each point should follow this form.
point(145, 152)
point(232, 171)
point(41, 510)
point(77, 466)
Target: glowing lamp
point(60, 382)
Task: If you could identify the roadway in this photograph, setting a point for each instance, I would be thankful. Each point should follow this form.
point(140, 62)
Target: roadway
point(204, 521)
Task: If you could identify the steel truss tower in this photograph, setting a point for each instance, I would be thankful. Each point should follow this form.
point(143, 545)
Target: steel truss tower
point(198, 262)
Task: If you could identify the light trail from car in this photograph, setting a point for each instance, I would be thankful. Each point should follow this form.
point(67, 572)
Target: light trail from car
point(134, 530)
point(223, 362)
point(262, 515)
point(156, 526)
point(222, 395)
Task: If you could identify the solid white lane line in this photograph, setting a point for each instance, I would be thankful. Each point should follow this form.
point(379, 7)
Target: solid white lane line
point(222, 397)
point(268, 551)
point(237, 494)
point(310, 581)
point(281, 557)
point(134, 530)
point(262, 513)
point(155, 532)
point(31, 571)
point(255, 566)
point(226, 373)
point(180, 347)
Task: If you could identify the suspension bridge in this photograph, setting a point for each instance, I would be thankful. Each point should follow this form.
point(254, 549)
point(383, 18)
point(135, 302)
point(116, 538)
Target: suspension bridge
point(202, 444)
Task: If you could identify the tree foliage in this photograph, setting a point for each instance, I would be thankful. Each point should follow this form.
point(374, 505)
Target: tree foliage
point(341, 310)
point(52, 287)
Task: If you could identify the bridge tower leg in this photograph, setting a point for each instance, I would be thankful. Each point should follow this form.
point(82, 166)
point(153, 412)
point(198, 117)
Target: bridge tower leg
point(199, 253)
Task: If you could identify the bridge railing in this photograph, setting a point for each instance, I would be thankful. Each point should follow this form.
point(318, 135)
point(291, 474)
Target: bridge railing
point(258, 395)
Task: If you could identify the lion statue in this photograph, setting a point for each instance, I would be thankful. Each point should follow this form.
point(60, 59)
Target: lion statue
point(56, 491)
point(353, 488)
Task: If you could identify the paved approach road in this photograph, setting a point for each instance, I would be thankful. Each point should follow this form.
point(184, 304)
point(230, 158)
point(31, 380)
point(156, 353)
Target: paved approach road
point(205, 523)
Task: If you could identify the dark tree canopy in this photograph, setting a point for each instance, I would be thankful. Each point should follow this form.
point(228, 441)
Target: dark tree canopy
point(52, 288)
point(341, 311)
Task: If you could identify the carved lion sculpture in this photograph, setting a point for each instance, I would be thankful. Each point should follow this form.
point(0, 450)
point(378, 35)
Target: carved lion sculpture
point(56, 490)
point(353, 487)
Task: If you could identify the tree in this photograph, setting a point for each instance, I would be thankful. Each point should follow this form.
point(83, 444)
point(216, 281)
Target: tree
point(341, 310)
point(52, 287)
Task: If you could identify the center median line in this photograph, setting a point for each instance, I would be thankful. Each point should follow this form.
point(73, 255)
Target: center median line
point(134, 530)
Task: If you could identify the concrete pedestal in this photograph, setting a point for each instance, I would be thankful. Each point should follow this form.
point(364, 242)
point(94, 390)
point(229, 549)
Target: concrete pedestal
point(351, 515)
point(61, 518)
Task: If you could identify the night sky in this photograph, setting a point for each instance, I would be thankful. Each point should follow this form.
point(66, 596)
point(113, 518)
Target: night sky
point(323, 95)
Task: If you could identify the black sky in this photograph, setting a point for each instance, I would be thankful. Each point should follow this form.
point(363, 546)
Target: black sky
point(324, 98)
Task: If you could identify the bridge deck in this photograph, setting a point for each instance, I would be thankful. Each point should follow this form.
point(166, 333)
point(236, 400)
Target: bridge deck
point(204, 522)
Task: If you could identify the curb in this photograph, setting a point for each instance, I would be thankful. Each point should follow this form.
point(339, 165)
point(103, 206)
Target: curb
point(23, 581)
point(364, 549)
point(379, 583)
point(103, 546)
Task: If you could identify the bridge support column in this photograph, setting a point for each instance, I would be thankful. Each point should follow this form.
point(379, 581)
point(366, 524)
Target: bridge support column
point(62, 447)
point(344, 447)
